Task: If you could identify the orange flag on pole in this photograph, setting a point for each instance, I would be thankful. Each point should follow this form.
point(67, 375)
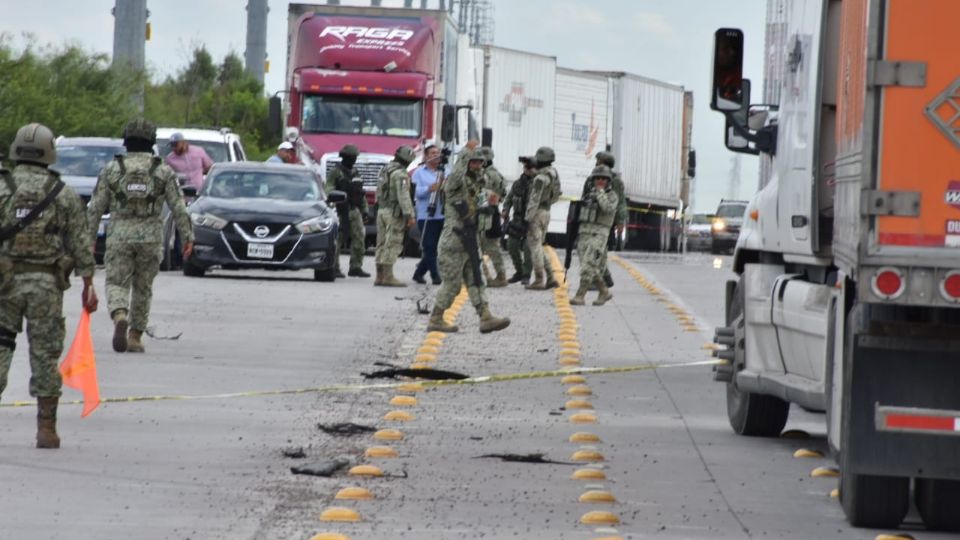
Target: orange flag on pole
point(79, 367)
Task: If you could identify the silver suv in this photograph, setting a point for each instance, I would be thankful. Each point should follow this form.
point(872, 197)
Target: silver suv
point(726, 225)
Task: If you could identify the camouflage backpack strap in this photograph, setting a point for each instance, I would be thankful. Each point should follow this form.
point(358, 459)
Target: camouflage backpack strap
point(8, 179)
point(55, 185)
point(117, 188)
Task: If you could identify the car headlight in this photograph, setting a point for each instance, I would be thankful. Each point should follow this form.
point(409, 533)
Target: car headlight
point(209, 221)
point(317, 224)
point(719, 225)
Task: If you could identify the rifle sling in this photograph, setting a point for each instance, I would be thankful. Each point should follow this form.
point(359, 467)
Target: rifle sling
point(13, 230)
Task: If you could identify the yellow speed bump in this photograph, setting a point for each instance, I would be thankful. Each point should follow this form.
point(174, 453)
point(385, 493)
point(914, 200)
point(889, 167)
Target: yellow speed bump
point(425, 358)
point(330, 536)
point(710, 346)
point(428, 350)
point(589, 474)
point(600, 518)
point(825, 472)
point(567, 335)
point(398, 416)
point(403, 401)
point(380, 452)
point(570, 344)
point(419, 365)
point(337, 513)
point(569, 361)
point(432, 342)
point(569, 352)
point(806, 453)
point(388, 435)
point(597, 496)
point(410, 387)
point(354, 494)
point(587, 455)
point(573, 379)
point(835, 493)
point(583, 418)
point(578, 404)
point(579, 390)
point(584, 437)
point(794, 434)
point(366, 470)
point(436, 335)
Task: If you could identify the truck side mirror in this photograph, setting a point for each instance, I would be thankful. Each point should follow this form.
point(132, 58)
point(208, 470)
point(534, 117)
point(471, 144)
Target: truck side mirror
point(275, 116)
point(692, 163)
point(448, 123)
point(486, 139)
point(727, 94)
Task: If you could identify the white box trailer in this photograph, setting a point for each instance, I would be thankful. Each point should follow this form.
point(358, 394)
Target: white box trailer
point(580, 130)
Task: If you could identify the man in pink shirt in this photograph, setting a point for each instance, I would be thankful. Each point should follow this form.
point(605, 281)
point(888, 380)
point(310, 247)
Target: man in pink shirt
point(189, 161)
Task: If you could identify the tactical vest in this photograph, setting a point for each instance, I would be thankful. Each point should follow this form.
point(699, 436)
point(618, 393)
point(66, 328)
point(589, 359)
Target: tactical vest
point(590, 212)
point(385, 198)
point(138, 192)
point(521, 194)
point(552, 191)
point(42, 239)
point(351, 183)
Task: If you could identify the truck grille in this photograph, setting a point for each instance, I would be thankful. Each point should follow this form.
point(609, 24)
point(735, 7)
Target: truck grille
point(370, 172)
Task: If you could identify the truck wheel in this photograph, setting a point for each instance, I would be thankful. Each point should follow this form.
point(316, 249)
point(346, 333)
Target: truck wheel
point(939, 503)
point(875, 502)
point(327, 275)
point(192, 270)
point(750, 414)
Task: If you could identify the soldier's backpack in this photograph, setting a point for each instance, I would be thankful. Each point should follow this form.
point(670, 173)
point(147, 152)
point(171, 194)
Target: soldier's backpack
point(556, 190)
point(35, 230)
point(383, 184)
point(137, 191)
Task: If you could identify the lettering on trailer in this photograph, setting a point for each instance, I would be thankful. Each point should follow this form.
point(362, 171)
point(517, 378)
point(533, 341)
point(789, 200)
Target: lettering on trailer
point(516, 103)
point(952, 239)
point(952, 196)
point(374, 32)
point(584, 135)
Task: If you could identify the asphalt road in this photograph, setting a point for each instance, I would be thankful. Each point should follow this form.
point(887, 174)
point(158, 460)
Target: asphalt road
point(206, 459)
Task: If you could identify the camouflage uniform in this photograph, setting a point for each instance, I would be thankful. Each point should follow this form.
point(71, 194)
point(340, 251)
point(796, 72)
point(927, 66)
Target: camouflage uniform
point(597, 213)
point(394, 213)
point(352, 213)
point(492, 183)
point(616, 183)
point(462, 190)
point(517, 245)
point(134, 188)
point(32, 272)
point(544, 191)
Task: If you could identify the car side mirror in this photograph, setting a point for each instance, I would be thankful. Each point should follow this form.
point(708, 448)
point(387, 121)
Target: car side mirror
point(189, 191)
point(727, 94)
point(336, 197)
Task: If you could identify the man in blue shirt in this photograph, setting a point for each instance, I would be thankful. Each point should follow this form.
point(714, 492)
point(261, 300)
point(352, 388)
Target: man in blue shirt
point(426, 181)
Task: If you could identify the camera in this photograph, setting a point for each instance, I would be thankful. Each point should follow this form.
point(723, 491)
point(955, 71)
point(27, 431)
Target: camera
point(526, 160)
point(445, 157)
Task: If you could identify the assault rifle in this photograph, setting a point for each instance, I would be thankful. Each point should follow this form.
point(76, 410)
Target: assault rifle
point(468, 237)
point(573, 231)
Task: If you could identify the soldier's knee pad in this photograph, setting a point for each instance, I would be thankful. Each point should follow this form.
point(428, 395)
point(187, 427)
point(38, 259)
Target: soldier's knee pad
point(8, 339)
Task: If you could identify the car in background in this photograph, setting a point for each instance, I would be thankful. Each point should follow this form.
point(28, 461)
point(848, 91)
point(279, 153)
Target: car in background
point(726, 225)
point(264, 215)
point(698, 232)
point(79, 162)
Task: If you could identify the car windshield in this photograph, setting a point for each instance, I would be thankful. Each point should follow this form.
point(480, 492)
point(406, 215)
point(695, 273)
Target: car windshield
point(85, 160)
point(731, 210)
point(216, 150)
point(355, 116)
point(700, 219)
point(278, 185)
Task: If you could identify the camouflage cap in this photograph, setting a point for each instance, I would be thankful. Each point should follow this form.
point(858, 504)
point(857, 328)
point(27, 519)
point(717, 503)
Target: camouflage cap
point(601, 171)
point(405, 155)
point(606, 158)
point(139, 128)
point(545, 154)
point(349, 150)
point(34, 143)
point(487, 153)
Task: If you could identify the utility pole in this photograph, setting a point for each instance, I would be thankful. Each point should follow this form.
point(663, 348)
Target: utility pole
point(256, 53)
point(129, 38)
point(733, 189)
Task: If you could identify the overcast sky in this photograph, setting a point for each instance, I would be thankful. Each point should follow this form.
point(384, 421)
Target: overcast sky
point(670, 40)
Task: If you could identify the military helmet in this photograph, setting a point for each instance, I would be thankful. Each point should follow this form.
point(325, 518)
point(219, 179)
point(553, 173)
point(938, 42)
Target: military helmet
point(405, 155)
point(545, 154)
point(473, 155)
point(34, 143)
point(139, 128)
point(601, 171)
point(487, 153)
point(349, 150)
point(606, 158)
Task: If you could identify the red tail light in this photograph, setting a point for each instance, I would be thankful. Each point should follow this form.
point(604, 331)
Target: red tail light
point(888, 283)
point(950, 286)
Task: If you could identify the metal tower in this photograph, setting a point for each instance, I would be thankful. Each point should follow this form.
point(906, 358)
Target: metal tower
point(130, 32)
point(256, 54)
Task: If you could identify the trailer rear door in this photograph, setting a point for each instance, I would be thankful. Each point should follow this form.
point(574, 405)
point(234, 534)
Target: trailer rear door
point(920, 128)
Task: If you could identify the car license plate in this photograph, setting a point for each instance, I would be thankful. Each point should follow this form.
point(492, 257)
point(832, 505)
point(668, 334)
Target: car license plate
point(260, 251)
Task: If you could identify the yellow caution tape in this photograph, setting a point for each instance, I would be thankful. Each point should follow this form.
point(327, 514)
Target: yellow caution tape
point(383, 386)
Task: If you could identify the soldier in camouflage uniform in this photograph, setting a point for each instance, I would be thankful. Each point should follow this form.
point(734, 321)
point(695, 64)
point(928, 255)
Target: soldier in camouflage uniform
point(134, 188)
point(346, 178)
point(36, 255)
point(494, 191)
point(597, 213)
point(462, 194)
point(544, 191)
point(516, 227)
point(620, 220)
point(394, 216)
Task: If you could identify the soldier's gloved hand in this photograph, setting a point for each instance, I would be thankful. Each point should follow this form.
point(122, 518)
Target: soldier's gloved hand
point(187, 250)
point(411, 222)
point(88, 297)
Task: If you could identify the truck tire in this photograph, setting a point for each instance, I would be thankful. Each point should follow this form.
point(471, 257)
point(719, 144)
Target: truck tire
point(939, 503)
point(750, 414)
point(192, 270)
point(328, 275)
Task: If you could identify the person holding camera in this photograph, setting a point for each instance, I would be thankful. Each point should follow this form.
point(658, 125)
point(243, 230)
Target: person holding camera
point(427, 181)
point(516, 227)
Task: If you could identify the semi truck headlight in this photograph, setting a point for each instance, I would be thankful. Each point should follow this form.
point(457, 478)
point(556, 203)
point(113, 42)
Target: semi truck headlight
point(719, 225)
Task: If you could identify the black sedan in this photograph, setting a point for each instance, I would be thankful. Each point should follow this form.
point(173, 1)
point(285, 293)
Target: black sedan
point(264, 215)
